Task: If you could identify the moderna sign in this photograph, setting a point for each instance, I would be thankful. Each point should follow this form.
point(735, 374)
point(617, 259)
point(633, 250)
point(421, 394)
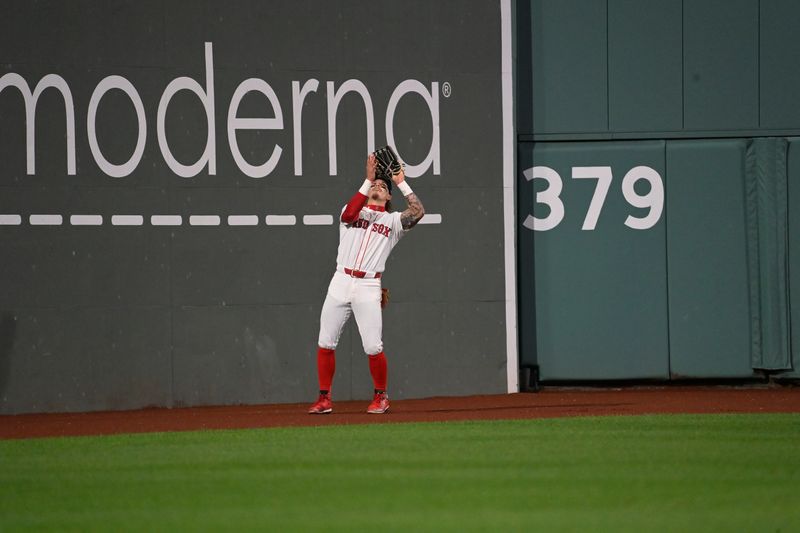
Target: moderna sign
point(205, 93)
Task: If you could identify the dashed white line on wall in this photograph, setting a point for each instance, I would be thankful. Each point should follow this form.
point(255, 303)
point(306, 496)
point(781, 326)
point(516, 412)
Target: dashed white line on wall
point(46, 220)
point(317, 220)
point(177, 220)
point(10, 220)
point(431, 218)
point(281, 220)
point(204, 220)
point(127, 220)
point(243, 220)
point(86, 220)
point(166, 220)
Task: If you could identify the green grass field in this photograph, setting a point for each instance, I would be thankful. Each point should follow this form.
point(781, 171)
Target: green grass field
point(667, 473)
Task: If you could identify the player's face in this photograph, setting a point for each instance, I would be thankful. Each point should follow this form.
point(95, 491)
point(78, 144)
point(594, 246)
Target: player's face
point(379, 192)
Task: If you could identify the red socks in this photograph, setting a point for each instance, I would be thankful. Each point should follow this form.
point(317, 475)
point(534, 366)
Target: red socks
point(326, 366)
point(377, 367)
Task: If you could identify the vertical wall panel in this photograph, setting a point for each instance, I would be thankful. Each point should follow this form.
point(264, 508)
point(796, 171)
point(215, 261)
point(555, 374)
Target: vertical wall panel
point(720, 64)
point(569, 66)
point(601, 309)
point(780, 56)
point(523, 68)
point(709, 321)
point(793, 171)
point(645, 65)
point(526, 263)
point(767, 250)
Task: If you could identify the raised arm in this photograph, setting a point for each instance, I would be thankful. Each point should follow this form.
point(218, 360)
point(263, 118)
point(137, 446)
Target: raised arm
point(414, 209)
point(413, 213)
point(353, 208)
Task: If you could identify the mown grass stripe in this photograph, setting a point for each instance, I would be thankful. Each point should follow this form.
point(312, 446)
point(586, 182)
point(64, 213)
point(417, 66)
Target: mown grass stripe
point(671, 472)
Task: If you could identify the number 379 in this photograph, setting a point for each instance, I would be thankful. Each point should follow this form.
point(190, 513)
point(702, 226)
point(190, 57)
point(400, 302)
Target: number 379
point(551, 196)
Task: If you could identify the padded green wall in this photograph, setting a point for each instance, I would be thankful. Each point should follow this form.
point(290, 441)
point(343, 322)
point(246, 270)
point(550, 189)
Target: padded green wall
point(606, 69)
point(794, 252)
point(681, 86)
point(674, 300)
point(644, 65)
point(778, 60)
point(601, 294)
point(720, 68)
point(569, 66)
point(709, 318)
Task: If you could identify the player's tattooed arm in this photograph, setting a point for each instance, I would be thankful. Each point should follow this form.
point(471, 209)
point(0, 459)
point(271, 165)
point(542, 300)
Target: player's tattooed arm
point(413, 213)
point(414, 210)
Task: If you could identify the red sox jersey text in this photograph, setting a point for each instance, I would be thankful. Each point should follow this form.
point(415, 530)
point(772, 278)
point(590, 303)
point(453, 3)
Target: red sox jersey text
point(365, 244)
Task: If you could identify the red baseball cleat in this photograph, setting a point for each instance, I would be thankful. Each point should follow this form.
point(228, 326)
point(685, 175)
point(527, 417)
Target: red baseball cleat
point(380, 404)
point(322, 406)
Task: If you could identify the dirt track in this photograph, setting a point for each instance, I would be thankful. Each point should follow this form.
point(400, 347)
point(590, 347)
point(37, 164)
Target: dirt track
point(549, 403)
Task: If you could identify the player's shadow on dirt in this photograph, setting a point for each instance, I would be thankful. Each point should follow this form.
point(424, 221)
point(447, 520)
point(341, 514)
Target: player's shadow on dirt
point(8, 330)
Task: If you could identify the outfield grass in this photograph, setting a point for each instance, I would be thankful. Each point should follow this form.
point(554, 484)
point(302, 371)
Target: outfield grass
point(666, 473)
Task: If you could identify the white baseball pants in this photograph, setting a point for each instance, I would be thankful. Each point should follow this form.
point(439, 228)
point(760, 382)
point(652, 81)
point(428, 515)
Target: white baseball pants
point(362, 298)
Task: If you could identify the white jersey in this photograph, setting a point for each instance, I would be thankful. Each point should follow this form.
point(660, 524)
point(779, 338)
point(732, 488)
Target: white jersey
point(365, 244)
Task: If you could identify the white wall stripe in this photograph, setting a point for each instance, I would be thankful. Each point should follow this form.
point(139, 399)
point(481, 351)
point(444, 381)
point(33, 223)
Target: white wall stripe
point(281, 220)
point(204, 220)
point(509, 197)
point(243, 220)
point(166, 220)
point(46, 220)
point(317, 220)
point(10, 220)
point(127, 220)
point(431, 218)
point(86, 220)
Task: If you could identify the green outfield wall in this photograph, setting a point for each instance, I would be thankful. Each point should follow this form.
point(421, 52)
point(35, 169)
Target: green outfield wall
point(171, 178)
point(659, 170)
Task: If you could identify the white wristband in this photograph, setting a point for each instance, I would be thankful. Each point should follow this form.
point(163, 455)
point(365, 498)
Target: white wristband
point(365, 187)
point(404, 188)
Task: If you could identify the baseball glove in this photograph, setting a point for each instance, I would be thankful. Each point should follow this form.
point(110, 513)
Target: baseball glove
point(387, 161)
point(384, 298)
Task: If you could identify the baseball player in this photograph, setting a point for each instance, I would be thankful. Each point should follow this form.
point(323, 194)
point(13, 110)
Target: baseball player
point(368, 231)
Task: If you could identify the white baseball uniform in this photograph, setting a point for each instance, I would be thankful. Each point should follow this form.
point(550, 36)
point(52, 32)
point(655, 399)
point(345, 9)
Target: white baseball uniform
point(364, 246)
